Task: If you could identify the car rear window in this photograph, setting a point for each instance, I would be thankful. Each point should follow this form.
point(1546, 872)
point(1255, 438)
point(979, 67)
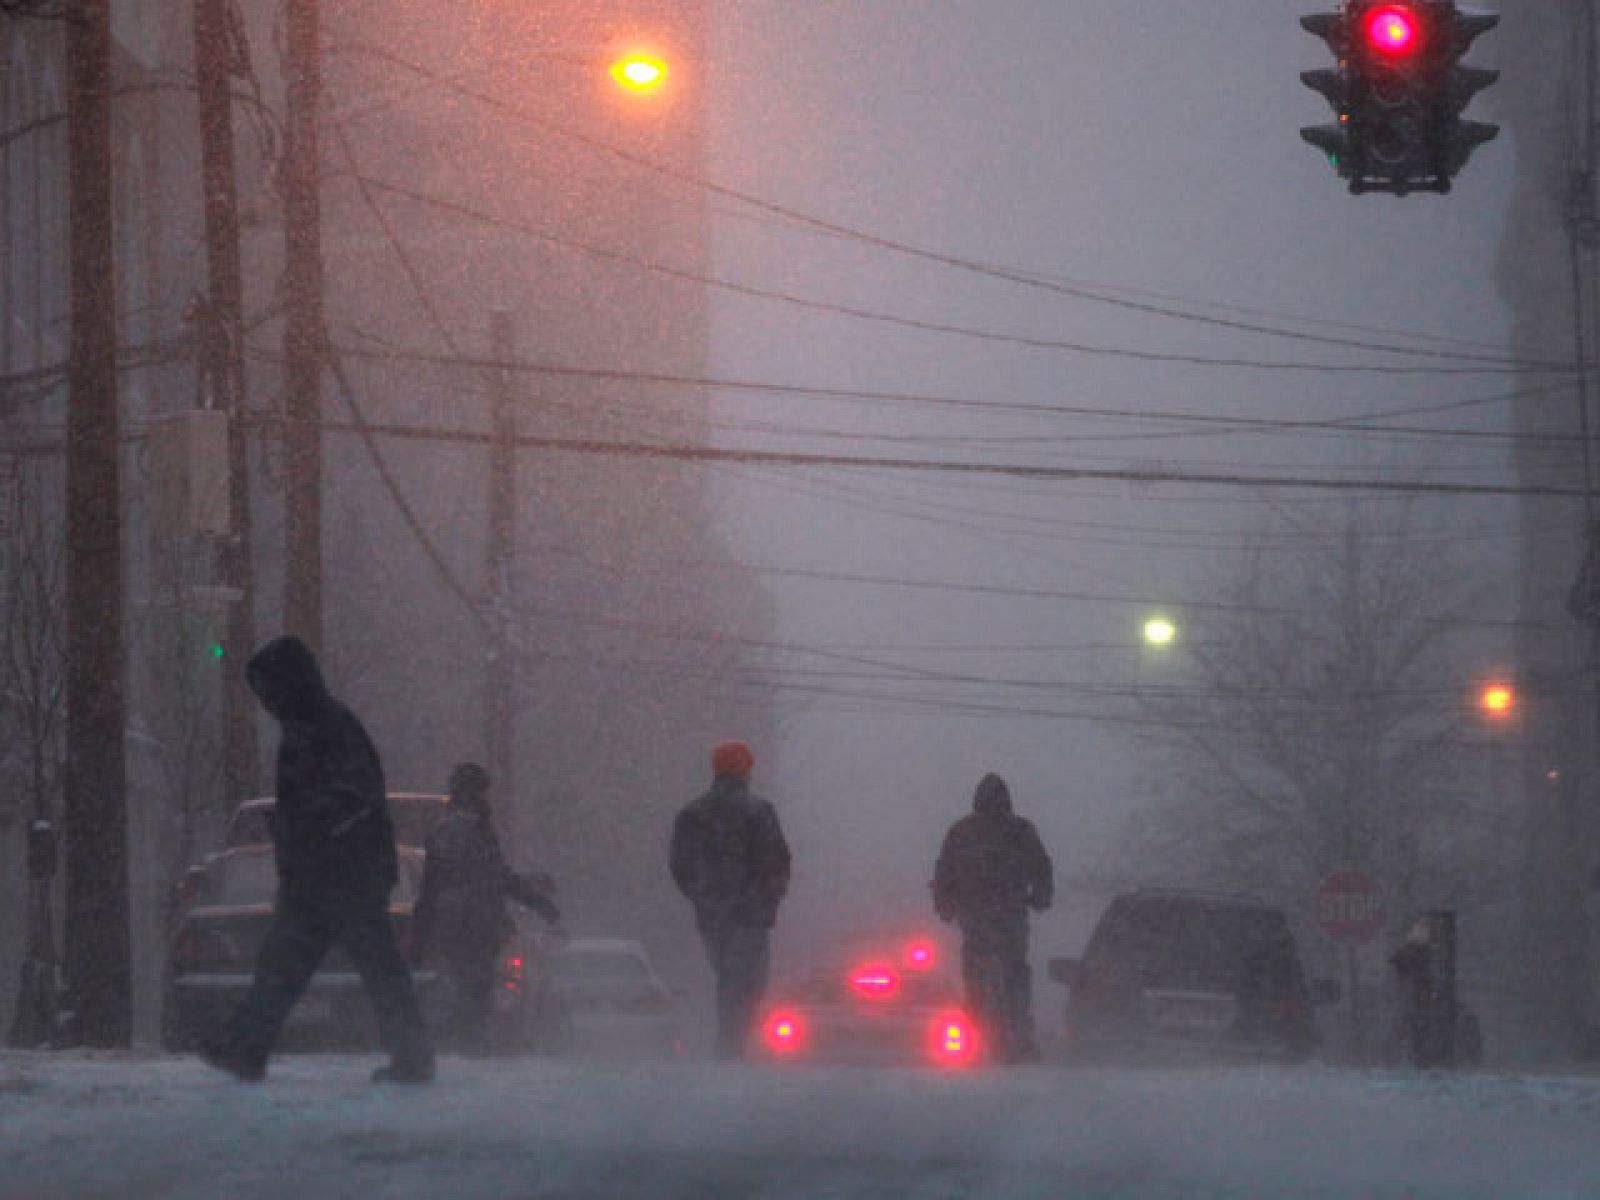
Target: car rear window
point(600, 966)
point(414, 818)
point(234, 879)
point(1170, 942)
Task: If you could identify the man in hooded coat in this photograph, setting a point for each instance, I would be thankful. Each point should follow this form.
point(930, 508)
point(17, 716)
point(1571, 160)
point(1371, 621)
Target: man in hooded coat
point(991, 870)
point(460, 919)
point(730, 859)
point(336, 861)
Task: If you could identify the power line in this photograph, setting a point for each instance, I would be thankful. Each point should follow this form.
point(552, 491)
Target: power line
point(905, 249)
point(1486, 365)
point(776, 458)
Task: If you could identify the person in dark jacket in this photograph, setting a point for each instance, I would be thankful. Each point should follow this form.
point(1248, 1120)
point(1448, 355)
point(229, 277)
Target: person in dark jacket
point(336, 866)
point(992, 869)
point(730, 859)
point(460, 918)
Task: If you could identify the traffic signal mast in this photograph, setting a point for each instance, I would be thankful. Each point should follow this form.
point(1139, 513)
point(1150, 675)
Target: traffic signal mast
point(1398, 91)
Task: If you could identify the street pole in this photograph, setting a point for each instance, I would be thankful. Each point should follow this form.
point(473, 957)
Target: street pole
point(97, 956)
point(304, 343)
point(223, 356)
point(499, 570)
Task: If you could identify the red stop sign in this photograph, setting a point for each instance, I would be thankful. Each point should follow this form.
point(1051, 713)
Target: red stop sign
point(1350, 906)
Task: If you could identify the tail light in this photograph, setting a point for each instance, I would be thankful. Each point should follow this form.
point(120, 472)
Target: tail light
point(875, 981)
point(954, 1040)
point(513, 972)
point(784, 1034)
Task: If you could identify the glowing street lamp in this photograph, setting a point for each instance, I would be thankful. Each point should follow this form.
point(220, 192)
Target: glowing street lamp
point(1160, 631)
point(1498, 701)
point(639, 72)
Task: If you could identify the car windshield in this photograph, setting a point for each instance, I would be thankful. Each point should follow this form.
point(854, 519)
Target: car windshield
point(1179, 943)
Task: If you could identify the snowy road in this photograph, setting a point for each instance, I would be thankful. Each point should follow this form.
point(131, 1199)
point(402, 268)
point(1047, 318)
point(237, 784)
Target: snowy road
point(86, 1127)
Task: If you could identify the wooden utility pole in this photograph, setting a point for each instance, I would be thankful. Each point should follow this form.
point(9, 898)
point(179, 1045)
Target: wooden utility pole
point(304, 343)
point(97, 956)
point(500, 674)
point(222, 330)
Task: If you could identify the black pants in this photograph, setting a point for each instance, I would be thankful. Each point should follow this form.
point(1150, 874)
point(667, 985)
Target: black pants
point(468, 968)
point(305, 924)
point(999, 985)
point(741, 961)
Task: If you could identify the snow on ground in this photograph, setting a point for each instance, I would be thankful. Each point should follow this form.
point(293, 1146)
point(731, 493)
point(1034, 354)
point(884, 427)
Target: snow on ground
point(83, 1126)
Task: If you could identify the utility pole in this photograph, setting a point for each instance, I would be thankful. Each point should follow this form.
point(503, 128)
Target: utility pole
point(222, 330)
point(98, 958)
point(500, 569)
point(305, 338)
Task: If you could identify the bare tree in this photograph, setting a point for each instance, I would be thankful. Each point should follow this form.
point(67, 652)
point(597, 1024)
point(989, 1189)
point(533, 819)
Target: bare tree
point(1320, 717)
point(32, 717)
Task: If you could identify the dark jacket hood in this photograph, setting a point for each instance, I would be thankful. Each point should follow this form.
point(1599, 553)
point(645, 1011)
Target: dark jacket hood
point(992, 797)
point(286, 679)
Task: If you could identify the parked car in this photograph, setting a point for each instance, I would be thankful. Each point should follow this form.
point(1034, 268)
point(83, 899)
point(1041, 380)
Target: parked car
point(212, 957)
point(601, 996)
point(414, 815)
point(882, 1002)
point(1177, 975)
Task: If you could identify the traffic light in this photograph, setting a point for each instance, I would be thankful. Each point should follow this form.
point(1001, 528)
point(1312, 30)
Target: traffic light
point(1398, 91)
point(1498, 701)
point(639, 72)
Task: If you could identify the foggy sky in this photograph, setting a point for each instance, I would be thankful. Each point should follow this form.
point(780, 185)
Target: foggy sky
point(1146, 149)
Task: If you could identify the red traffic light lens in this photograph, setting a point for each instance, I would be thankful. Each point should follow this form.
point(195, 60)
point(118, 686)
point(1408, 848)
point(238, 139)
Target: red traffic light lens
point(1393, 29)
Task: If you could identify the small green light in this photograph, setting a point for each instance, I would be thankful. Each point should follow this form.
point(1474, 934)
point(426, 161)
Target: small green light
point(217, 652)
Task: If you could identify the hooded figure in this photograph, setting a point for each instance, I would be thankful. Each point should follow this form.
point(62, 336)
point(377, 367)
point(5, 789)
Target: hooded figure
point(730, 859)
point(336, 860)
point(460, 919)
point(992, 868)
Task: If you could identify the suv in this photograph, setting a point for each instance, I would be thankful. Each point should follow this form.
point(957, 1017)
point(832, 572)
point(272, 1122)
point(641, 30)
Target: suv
point(1179, 975)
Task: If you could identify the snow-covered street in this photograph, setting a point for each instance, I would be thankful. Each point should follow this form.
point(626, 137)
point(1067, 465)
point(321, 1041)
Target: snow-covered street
point(83, 1127)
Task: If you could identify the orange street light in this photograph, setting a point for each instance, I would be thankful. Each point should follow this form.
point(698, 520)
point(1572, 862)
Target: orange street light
point(1498, 700)
point(639, 72)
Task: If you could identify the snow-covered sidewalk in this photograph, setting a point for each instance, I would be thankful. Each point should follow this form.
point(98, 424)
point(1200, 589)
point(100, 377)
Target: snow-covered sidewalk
point(83, 1126)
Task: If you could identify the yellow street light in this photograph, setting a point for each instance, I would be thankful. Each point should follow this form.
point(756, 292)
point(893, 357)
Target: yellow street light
point(639, 72)
point(1499, 700)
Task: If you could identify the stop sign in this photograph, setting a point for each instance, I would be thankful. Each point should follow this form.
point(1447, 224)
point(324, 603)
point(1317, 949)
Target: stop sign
point(1350, 906)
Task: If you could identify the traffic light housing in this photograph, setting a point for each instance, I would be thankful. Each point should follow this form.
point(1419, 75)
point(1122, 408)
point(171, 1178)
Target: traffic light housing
point(1398, 91)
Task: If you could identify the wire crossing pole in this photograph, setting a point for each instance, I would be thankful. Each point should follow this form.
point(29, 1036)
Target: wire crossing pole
point(223, 355)
point(305, 340)
point(97, 956)
point(499, 568)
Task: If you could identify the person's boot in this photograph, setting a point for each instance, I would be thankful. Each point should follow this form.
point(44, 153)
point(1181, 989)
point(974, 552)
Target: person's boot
point(224, 1056)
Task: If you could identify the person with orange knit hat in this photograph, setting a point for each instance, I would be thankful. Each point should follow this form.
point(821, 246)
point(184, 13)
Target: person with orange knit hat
point(730, 859)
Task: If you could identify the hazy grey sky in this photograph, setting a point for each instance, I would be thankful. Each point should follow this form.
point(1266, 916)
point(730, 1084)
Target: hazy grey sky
point(1146, 150)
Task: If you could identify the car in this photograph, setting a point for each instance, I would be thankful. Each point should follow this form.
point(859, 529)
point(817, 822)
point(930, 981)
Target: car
point(882, 1002)
point(1172, 975)
point(602, 996)
point(414, 815)
point(211, 958)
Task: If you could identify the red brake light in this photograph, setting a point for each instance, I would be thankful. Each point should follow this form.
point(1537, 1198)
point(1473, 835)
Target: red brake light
point(1393, 29)
point(875, 981)
point(954, 1040)
point(513, 971)
point(784, 1033)
point(921, 956)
